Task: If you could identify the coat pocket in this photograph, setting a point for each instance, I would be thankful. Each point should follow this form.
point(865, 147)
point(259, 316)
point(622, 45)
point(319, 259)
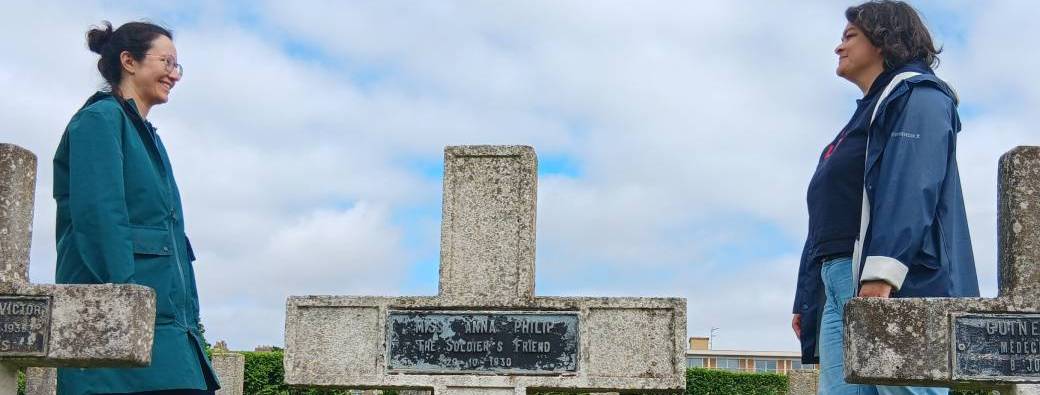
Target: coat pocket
point(932, 249)
point(151, 240)
point(153, 265)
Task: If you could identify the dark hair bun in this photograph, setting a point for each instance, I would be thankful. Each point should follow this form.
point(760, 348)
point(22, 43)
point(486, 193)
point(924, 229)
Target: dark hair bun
point(134, 38)
point(99, 36)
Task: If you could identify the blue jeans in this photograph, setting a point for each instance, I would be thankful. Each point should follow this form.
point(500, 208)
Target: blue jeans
point(837, 283)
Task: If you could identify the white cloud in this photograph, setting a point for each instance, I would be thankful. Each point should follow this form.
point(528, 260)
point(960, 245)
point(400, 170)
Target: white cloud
point(324, 252)
point(693, 125)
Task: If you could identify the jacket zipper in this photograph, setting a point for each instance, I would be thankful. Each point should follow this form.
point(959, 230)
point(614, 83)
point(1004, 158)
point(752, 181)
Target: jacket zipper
point(180, 270)
point(170, 227)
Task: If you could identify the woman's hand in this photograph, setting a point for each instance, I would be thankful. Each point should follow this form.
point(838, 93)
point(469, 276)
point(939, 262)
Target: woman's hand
point(875, 289)
point(796, 324)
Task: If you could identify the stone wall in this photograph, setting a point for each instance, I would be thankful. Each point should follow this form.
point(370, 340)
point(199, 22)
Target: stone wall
point(802, 382)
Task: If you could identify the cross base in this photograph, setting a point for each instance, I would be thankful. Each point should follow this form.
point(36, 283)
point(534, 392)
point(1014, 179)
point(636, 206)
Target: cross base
point(624, 343)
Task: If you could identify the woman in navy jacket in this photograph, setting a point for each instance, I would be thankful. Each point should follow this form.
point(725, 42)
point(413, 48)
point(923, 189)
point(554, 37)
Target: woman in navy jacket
point(892, 170)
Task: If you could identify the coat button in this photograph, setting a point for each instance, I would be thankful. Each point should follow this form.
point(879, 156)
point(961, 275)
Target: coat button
point(805, 306)
point(166, 249)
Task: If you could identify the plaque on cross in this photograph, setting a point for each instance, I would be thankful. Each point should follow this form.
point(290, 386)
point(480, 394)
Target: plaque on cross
point(963, 341)
point(105, 325)
point(486, 332)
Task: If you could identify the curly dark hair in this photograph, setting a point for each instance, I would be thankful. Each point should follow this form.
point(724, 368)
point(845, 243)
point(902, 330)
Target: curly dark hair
point(897, 29)
point(133, 37)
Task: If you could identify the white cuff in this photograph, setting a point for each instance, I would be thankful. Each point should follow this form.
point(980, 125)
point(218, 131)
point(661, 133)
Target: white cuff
point(889, 270)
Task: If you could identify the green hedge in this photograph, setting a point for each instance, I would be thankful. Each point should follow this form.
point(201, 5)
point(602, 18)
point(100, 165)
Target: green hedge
point(702, 381)
point(264, 375)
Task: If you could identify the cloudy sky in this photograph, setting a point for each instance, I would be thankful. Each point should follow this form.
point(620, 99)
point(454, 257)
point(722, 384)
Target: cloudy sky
point(676, 139)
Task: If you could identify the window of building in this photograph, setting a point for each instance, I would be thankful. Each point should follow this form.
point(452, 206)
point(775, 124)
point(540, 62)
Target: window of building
point(765, 365)
point(797, 365)
point(695, 362)
point(731, 364)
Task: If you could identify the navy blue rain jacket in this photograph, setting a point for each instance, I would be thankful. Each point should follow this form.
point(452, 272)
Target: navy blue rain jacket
point(918, 235)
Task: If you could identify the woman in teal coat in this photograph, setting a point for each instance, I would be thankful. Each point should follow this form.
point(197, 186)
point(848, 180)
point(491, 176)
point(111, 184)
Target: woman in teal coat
point(119, 214)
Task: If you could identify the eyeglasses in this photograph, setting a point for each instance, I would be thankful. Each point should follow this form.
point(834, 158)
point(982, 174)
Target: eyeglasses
point(171, 65)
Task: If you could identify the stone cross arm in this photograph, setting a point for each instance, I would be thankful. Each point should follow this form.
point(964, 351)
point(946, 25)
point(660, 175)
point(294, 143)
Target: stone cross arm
point(98, 325)
point(94, 325)
point(339, 341)
point(963, 341)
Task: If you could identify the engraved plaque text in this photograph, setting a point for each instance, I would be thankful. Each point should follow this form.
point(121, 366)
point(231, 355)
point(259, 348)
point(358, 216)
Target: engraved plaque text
point(24, 325)
point(469, 342)
point(1002, 347)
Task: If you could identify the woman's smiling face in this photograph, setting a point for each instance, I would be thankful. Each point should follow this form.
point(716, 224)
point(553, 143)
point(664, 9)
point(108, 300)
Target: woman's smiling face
point(155, 75)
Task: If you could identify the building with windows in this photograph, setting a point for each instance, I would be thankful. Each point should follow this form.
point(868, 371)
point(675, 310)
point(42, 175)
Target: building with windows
point(700, 355)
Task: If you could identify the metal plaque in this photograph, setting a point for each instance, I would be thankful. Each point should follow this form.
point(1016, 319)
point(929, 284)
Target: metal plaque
point(1004, 347)
point(486, 342)
point(25, 324)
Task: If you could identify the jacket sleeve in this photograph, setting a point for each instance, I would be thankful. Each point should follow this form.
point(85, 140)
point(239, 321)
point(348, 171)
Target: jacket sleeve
point(97, 202)
point(804, 275)
point(908, 184)
point(191, 251)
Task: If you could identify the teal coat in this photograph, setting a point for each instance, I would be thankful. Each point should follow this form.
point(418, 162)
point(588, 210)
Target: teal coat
point(119, 221)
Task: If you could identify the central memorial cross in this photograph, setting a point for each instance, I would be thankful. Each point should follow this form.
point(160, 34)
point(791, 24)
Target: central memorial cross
point(486, 333)
point(963, 342)
point(106, 325)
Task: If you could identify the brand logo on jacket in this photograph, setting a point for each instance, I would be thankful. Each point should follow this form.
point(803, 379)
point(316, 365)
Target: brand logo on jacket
point(906, 135)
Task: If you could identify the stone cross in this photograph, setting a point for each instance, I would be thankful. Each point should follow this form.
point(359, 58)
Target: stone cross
point(230, 367)
point(963, 342)
point(59, 325)
point(486, 332)
point(41, 381)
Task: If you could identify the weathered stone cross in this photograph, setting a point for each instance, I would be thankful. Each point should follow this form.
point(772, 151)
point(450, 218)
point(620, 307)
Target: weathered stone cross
point(59, 325)
point(486, 332)
point(963, 341)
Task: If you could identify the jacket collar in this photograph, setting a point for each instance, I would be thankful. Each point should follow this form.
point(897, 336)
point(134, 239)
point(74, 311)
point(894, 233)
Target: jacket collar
point(128, 105)
point(886, 76)
point(144, 128)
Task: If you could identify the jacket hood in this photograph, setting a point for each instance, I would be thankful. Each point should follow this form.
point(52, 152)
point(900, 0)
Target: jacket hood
point(929, 75)
point(128, 105)
point(102, 95)
point(99, 96)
